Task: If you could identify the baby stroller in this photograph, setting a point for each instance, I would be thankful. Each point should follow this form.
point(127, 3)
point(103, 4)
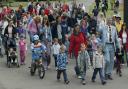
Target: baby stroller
point(12, 57)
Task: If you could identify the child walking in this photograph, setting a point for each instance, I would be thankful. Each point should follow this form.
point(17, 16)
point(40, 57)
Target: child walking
point(94, 41)
point(83, 62)
point(61, 64)
point(98, 65)
point(55, 50)
point(23, 49)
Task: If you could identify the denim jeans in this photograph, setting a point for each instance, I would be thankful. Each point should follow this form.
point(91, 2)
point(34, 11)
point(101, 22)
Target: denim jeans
point(83, 73)
point(64, 74)
point(101, 73)
point(109, 58)
point(55, 58)
point(76, 68)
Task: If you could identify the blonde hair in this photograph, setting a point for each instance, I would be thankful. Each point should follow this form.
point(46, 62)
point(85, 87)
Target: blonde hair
point(62, 48)
point(46, 18)
point(37, 18)
point(55, 40)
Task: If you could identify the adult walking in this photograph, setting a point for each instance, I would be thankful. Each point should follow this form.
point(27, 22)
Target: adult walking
point(76, 39)
point(110, 41)
point(9, 37)
point(123, 34)
point(33, 27)
point(46, 37)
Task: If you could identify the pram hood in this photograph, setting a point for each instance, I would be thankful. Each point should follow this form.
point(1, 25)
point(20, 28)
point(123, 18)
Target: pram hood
point(11, 43)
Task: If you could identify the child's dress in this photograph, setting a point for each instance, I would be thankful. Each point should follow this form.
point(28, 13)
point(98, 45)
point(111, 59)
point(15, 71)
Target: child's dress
point(23, 48)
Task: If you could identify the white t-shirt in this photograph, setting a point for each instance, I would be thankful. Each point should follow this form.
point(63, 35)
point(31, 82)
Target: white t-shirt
point(5, 24)
point(59, 30)
point(108, 34)
point(10, 31)
point(55, 49)
point(124, 37)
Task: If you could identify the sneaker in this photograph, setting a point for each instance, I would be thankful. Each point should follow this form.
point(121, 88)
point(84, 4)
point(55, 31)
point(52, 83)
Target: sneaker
point(117, 71)
point(56, 68)
point(49, 67)
point(110, 77)
point(79, 77)
point(21, 63)
point(93, 80)
point(122, 64)
point(58, 80)
point(12, 61)
point(15, 61)
point(24, 63)
point(67, 82)
point(106, 77)
point(45, 69)
point(84, 82)
point(120, 74)
point(103, 83)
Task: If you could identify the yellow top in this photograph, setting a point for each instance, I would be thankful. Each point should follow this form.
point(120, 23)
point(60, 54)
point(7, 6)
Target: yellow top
point(118, 26)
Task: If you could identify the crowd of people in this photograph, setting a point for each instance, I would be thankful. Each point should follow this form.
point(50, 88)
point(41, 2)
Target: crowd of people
point(67, 31)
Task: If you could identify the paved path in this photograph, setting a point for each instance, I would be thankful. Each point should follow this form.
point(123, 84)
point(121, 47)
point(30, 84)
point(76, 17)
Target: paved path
point(19, 78)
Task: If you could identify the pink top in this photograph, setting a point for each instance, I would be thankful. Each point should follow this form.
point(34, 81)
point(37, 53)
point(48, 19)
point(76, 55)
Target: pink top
point(32, 27)
point(22, 45)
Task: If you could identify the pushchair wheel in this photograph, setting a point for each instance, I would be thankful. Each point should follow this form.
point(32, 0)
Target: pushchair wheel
point(9, 64)
point(18, 65)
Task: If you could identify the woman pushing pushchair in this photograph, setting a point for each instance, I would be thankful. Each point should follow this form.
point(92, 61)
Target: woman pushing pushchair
point(10, 44)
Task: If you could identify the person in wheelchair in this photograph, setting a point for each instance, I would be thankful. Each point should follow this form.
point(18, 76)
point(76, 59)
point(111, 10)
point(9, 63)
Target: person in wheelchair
point(37, 49)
